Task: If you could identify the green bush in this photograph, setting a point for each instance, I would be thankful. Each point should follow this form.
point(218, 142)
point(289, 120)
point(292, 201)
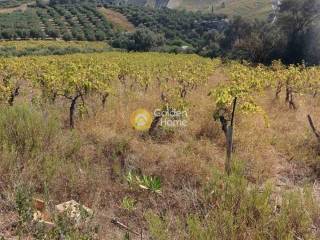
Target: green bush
point(23, 203)
point(24, 130)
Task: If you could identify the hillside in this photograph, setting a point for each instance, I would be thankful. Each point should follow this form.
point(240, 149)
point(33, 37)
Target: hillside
point(117, 19)
point(69, 22)
point(83, 21)
point(179, 28)
point(246, 8)
point(228, 6)
point(13, 3)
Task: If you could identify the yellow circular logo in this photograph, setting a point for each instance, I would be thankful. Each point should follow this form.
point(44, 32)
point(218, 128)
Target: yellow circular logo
point(141, 119)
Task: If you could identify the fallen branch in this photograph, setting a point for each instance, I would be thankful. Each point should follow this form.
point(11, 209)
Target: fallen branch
point(125, 227)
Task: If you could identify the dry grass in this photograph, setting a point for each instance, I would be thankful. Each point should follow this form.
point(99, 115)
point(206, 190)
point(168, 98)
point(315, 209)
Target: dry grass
point(249, 9)
point(278, 153)
point(117, 19)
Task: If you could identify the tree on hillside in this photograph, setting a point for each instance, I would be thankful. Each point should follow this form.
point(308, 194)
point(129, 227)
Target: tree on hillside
point(293, 38)
point(237, 30)
point(297, 19)
point(54, 2)
point(262, 44)
point(141, 40)
point(210, 44)
point(312, 48)
point(144, 40)
point(246, 40)
point(41, 3)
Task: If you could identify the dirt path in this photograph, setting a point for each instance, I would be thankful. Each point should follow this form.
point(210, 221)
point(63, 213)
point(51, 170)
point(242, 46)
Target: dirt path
point(22, 8)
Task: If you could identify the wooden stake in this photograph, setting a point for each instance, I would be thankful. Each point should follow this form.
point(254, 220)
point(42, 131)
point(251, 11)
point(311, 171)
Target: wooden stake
point(313, 128)
point(229, 136)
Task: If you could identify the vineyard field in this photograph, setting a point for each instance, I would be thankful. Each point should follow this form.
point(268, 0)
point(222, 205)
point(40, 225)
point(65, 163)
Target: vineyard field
point(159, 120)
point(140, 139)
point(22, 45)
point(50, 47)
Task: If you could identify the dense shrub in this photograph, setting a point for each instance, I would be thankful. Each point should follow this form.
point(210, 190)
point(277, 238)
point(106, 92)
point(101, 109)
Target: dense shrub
point(24, 130)
point(141, 40)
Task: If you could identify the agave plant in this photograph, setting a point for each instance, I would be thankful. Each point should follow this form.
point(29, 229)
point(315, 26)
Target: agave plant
point(130, 178)
point(150, 183)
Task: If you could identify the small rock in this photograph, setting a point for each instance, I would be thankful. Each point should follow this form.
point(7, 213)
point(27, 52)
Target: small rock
point(74, 210)
point(41, 215)
point(39, 204)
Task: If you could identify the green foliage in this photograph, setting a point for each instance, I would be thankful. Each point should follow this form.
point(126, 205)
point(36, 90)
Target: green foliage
point(150, 183)
point(240, 210)
point(130, 178)
point(177, 27)
point(81, 21)
point(158, 227)
point(142, 39)
point(10, 51)
point(12, 3)
point(294, 220)
point(292, 38)
point(19, 25)
point(64, 227)
point(67, 228)
point(298, 20)
point(24, 205)
point(24, 130)
point(128, 203)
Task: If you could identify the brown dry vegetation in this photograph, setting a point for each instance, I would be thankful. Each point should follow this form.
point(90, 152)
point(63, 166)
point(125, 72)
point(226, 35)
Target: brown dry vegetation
point(89, 164)
point(119, 20)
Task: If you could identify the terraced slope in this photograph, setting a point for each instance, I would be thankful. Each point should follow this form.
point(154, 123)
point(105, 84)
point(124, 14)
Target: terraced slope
point(70, 22)
point(23, 7)
point(13, 3)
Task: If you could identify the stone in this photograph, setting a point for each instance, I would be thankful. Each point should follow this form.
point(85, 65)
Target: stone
point(41, 215)
point(74, 210)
